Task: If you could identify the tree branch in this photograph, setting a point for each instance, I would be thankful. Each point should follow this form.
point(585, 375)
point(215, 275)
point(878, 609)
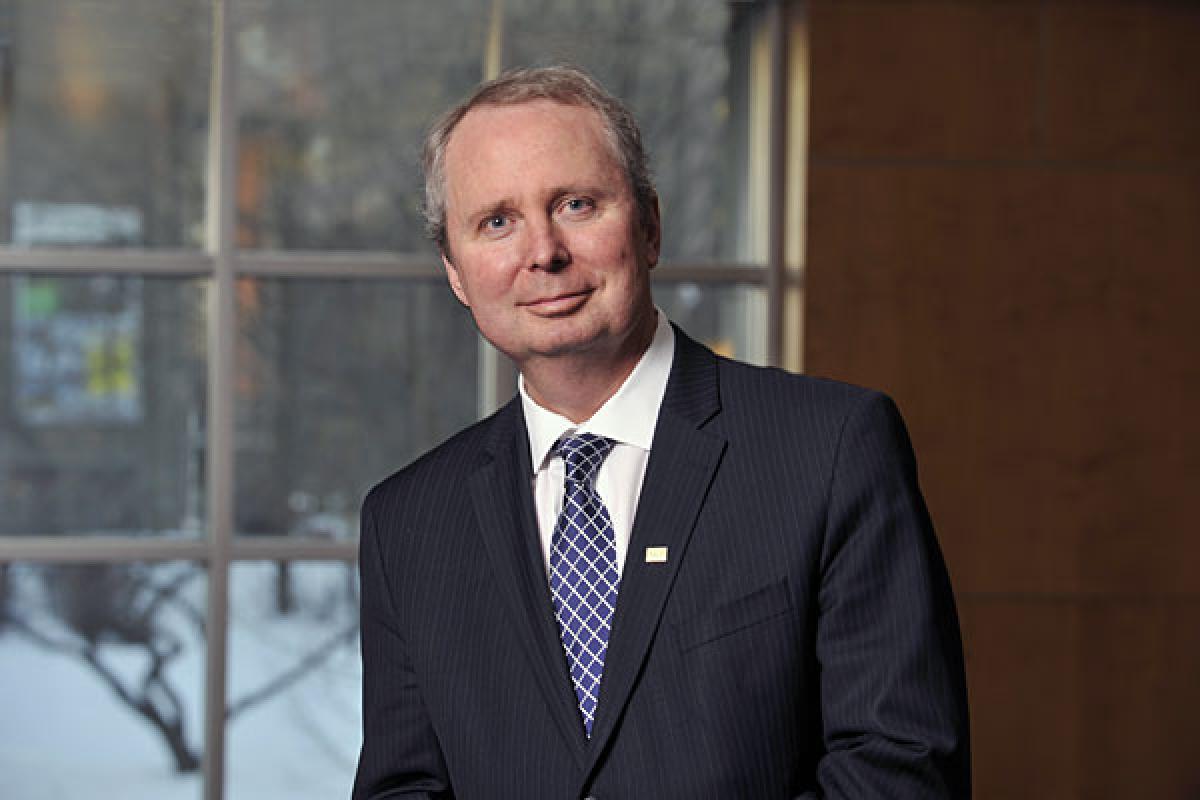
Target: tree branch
point(294, 673)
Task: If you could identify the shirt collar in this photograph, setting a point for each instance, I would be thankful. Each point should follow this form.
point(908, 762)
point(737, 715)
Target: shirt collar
point(628, 417)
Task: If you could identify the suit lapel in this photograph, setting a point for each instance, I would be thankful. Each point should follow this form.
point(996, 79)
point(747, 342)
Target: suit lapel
point(501, 493)
point(683, 460)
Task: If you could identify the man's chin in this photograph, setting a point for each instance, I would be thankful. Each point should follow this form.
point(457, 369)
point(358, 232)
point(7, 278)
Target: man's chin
point(565, 346)
point(568, 343)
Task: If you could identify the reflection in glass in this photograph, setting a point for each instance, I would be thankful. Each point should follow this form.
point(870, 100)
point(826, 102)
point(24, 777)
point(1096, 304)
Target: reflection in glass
point(101, 678)
point(340, 383)
point(731, 319)
point(104, 122)
point(334, 99)
point(103, 387)
point(295, 680)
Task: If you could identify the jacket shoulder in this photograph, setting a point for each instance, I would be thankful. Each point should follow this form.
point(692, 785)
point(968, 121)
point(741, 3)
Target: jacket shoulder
point(749, 389)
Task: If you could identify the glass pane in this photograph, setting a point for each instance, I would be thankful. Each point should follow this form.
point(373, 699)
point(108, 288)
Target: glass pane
point(102, 398)
point(335, 98)
point(339, 384)
point(731, 319)
point(104, 122)
point(684, 69)
point(101, 680)
point(295, 680)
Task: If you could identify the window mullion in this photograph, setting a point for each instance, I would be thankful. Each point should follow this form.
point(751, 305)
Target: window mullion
point(221, 226)
point(777, 182)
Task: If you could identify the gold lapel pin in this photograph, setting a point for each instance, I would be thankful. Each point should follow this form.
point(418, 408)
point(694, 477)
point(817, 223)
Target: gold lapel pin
point(656, 555)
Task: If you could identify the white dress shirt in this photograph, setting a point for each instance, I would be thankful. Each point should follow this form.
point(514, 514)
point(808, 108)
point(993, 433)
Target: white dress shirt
point(628, 418)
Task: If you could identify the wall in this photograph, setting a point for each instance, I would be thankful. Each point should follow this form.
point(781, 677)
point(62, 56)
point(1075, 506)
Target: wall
point(1004, 233)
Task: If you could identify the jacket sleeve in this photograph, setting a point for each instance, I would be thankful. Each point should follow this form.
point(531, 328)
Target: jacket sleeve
point(893, 690)
point(400, 755)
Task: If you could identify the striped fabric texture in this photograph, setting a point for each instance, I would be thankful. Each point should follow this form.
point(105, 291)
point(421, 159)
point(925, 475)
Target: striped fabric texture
point(784, 628)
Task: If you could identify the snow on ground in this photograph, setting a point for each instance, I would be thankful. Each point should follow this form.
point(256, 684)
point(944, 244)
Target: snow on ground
point(63, 732)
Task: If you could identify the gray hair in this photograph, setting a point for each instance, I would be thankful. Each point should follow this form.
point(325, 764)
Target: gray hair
point(563, 84)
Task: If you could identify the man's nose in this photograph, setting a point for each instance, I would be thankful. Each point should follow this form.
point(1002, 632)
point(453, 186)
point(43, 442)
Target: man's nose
point(547, 247)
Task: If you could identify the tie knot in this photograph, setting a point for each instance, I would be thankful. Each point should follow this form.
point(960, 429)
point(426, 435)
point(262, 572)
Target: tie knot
point(583, 454)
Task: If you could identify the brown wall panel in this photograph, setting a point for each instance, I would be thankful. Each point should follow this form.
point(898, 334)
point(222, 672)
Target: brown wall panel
point(1123, 81)
point(914, 79)
point(1022, 662)
point(1083, 697)
point(1139, 697)
point(1004, 233)
point(1029, 323)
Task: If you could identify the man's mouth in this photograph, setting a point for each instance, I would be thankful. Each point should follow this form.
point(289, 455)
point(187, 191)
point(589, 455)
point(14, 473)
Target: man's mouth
point(558, 304)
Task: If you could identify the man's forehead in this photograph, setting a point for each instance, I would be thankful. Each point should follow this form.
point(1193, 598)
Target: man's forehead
point(517, 141)
point(509, 121)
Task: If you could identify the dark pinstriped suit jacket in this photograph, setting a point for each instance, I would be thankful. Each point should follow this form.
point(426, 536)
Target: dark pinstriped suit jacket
point(799, 641)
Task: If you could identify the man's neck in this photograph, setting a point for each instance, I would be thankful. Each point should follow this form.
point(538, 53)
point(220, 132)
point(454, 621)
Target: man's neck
point(577, 385)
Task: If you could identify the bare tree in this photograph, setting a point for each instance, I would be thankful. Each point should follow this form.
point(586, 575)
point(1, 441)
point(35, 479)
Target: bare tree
point(100, 605)
point(94, 607)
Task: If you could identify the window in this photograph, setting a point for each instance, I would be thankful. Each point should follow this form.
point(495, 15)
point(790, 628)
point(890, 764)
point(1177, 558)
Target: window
point(220, 324)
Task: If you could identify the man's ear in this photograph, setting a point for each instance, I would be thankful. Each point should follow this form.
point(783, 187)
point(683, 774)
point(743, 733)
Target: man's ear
point(454, 278)
point(651, 232)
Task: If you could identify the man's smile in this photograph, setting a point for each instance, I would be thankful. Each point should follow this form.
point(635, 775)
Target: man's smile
point(560, 304)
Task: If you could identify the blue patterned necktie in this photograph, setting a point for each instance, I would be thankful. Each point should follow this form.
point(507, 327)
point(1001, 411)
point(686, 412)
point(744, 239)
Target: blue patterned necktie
point(583, 569)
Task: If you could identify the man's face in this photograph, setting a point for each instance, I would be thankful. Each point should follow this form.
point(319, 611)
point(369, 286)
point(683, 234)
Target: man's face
point(544, 242)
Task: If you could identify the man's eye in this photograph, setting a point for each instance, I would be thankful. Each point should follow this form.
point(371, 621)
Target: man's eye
point(577, 204)
point(495, 222)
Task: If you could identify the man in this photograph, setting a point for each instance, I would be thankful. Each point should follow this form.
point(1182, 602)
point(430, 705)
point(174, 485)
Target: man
point(655, 573)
